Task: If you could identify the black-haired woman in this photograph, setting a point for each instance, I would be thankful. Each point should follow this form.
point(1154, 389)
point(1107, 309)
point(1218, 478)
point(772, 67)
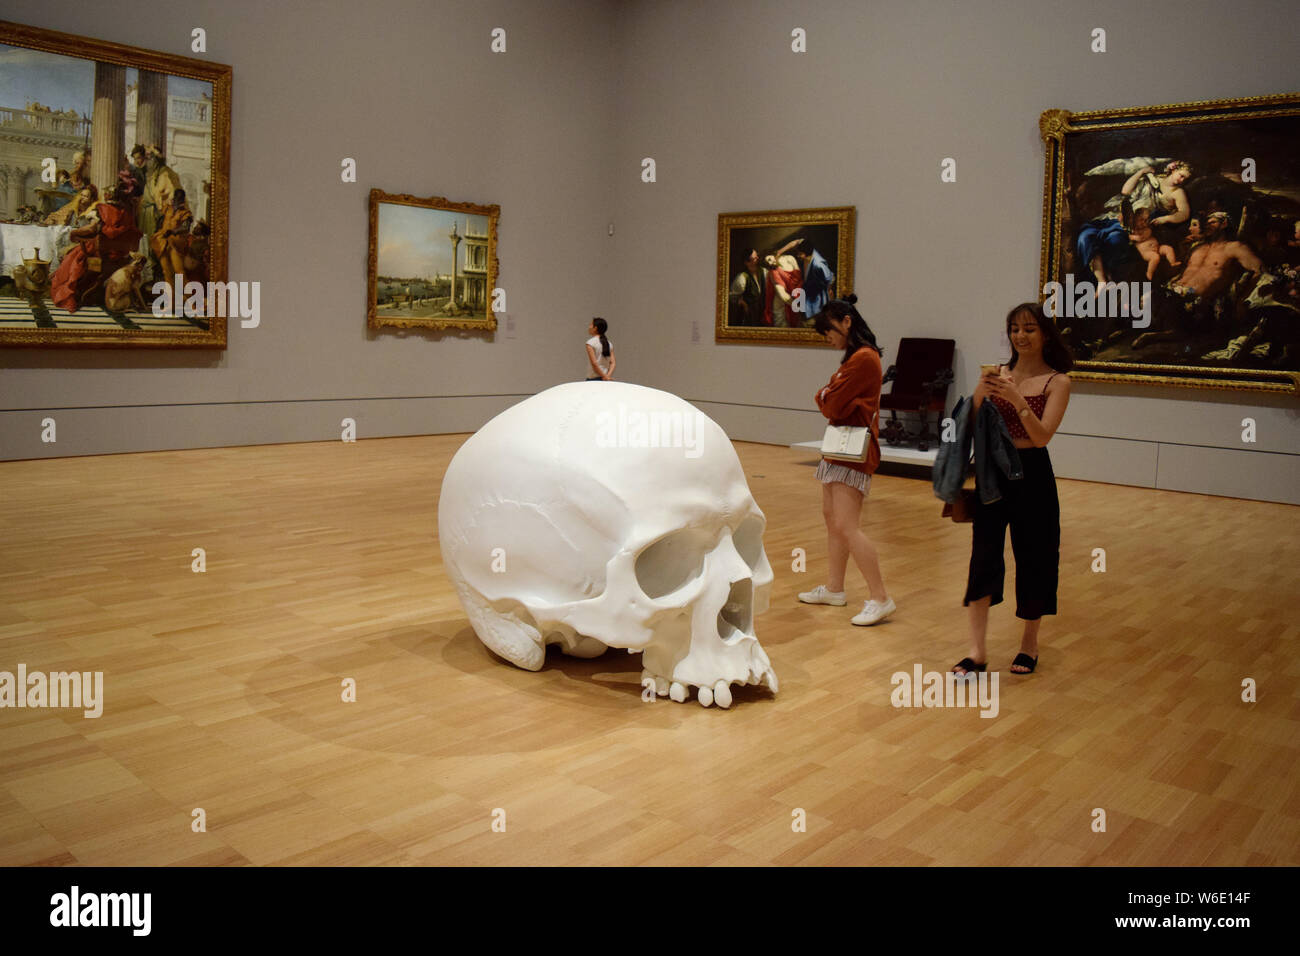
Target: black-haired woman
point(1031, 392)
point(600, 355)
point(851, 398)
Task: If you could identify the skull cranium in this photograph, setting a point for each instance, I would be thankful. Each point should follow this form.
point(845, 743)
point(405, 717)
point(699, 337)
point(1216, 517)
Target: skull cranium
point(602, 514)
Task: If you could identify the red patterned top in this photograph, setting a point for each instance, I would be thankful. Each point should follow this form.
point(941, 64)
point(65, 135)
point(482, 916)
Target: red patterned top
point(1037, 404)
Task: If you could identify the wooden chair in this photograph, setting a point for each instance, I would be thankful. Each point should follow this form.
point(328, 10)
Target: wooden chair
point(920, 384)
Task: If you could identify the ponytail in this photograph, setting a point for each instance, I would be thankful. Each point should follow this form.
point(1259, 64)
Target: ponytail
point(601, 327)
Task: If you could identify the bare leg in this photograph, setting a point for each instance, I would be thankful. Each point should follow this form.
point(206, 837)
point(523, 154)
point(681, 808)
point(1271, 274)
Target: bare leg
point(846, 504)
point(978, 616)
point(837, 548)
point(1028, 644)
point(1098, 270)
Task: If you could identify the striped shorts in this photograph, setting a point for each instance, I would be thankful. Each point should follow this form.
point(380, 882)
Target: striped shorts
point(829, 471)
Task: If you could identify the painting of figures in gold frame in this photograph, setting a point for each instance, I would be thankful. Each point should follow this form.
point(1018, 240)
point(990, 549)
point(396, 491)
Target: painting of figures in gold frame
point(114, 184)
point(433, 263)
point(778, 269)
point(1171, 242)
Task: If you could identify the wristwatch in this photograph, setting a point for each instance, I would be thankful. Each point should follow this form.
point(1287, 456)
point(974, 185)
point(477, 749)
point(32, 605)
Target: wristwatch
point(1024, 411)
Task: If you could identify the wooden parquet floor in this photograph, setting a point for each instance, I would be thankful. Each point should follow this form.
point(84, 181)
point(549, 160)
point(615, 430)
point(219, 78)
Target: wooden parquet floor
point(223, 688)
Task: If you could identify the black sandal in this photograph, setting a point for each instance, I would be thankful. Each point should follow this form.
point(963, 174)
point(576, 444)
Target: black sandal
point(1024, 660)
point(969, 666)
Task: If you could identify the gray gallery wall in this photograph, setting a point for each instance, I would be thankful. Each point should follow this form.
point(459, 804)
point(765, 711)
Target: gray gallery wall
point(555, 131)
point(412, 91)
point(888, 88)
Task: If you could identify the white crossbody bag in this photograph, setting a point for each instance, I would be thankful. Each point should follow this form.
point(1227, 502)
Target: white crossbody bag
point(846, 442)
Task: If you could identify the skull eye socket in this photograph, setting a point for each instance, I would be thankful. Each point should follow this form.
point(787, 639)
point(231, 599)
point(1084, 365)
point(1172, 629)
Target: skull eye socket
point(673, 561)
point(748, 539)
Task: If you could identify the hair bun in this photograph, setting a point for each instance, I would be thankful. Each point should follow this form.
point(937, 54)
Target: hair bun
point(851, 299)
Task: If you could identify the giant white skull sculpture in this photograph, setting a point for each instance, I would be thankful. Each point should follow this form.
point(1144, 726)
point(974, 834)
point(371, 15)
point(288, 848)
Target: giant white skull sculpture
point(603, 514)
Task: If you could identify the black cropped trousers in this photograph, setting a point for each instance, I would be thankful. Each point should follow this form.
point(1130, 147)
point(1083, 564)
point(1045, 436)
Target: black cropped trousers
point(1030, 507)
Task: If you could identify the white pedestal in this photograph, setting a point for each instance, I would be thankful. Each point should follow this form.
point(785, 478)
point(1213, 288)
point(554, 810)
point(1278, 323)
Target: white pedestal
point(903, 454)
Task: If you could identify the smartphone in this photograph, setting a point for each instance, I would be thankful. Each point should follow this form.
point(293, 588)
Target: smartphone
point(986, 369)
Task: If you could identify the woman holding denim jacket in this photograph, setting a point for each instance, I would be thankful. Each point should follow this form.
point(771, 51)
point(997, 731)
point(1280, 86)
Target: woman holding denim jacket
point(1031, 393)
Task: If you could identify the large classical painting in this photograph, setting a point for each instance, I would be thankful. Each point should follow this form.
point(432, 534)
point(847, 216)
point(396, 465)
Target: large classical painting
point(114, 172)
point(1173, 236)
point(433, 263)
point(777, 270)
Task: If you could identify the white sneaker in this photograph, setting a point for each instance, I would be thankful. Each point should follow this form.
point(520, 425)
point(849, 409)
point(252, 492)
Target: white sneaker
point(819, 595)
point(873, 612)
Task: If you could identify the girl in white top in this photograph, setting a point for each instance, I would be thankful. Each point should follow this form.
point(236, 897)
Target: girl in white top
point(600, 354)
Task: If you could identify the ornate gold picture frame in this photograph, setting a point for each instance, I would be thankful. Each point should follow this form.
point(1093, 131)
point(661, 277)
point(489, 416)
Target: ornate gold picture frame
point(777, 269)
point(88, 224)
point(432, 263)
point(1174, 234)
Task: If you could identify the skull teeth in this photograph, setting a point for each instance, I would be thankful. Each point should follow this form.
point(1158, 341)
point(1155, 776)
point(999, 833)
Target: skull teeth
point(722, 694)
point(660, 683)
point(719, 693)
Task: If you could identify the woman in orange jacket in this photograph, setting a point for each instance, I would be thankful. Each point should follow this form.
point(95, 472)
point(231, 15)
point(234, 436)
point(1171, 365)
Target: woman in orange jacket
point(851, 398)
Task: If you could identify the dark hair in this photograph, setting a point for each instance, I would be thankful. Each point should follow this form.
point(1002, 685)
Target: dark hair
point(1055, 352)
point(804, 248)
point(860, 333)
point(601, 327)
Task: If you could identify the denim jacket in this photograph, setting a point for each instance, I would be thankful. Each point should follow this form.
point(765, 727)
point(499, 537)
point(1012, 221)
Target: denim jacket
point(994, 451)
point(950, 464)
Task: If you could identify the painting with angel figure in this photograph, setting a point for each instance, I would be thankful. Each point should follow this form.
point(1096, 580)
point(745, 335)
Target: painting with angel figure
point(1176, 241)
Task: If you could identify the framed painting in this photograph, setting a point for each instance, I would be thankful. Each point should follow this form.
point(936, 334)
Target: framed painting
point(114, 194)
point(1171, 242)
point(433, 263)
point(778, 269)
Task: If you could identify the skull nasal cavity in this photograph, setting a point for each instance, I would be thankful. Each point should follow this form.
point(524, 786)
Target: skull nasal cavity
point(738, 613)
